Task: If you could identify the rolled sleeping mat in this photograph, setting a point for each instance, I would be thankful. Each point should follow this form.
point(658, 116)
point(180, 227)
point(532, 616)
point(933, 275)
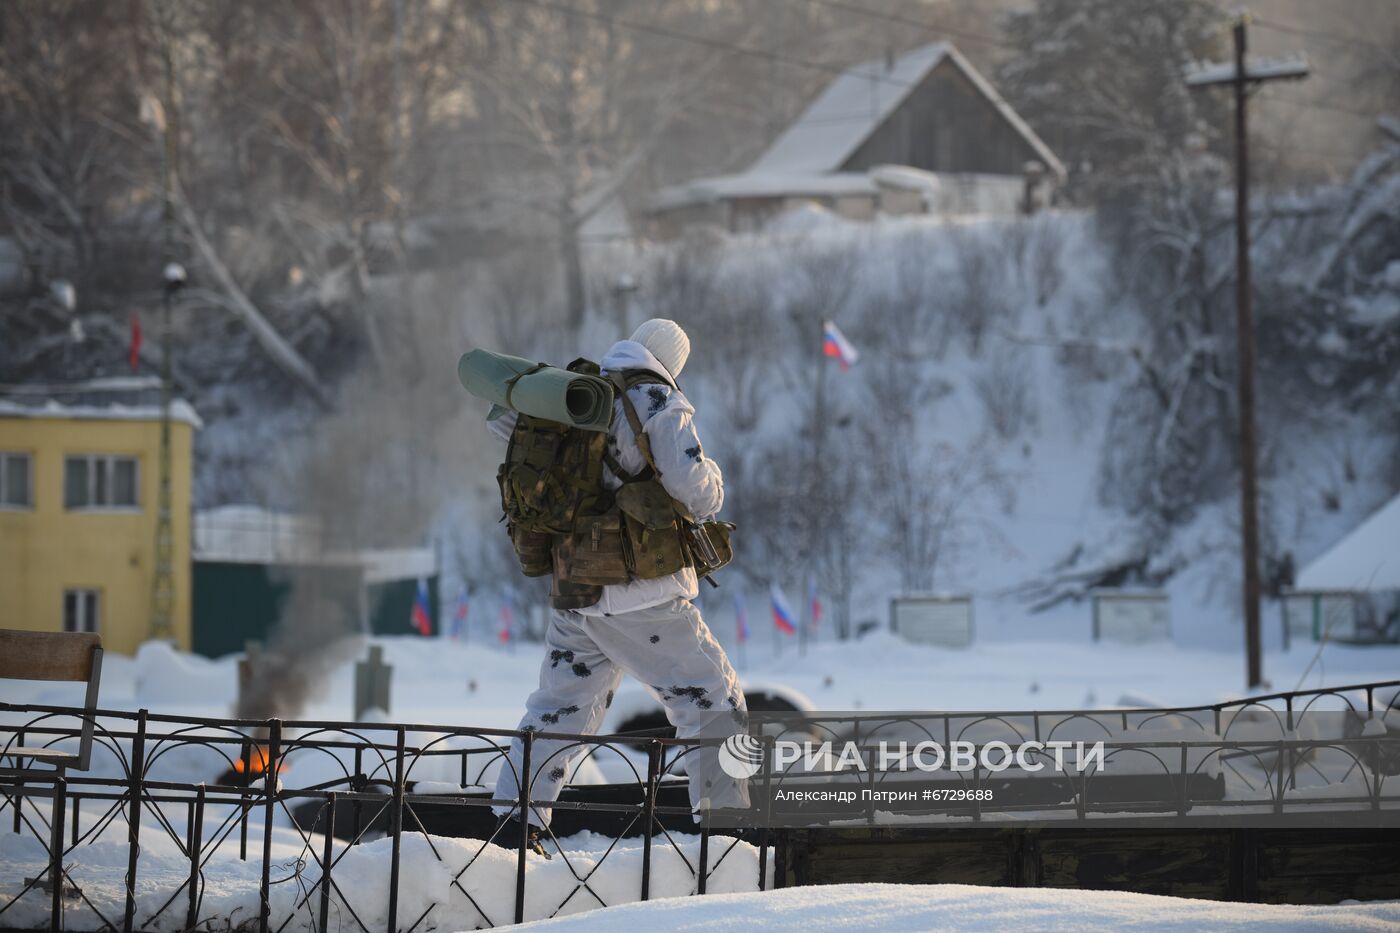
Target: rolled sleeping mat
point(536, 389)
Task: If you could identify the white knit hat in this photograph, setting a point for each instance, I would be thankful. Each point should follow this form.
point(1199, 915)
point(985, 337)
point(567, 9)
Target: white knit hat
point(666, 341)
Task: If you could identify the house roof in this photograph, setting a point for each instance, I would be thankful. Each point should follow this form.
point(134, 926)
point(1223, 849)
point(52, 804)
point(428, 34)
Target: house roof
point(763, 185)
point(110, 398)
point(31, 407)
point(1366, 560)
point(252, 534)
point(857, 102)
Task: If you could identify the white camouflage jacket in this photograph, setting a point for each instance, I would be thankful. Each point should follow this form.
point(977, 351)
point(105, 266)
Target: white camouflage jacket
point(689, 476)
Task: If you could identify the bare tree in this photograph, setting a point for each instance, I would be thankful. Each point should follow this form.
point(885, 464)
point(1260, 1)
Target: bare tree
point(578, 101)
point(68, 112)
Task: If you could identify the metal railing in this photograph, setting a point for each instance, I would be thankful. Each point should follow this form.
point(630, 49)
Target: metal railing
point(176, 782)
point(370, 772)
point(1156, 762)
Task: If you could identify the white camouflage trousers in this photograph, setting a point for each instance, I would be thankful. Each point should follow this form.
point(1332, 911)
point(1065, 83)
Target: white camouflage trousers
point(667, 647)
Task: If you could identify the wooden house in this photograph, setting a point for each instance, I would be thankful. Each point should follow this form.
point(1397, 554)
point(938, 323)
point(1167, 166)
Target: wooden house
point(923, 133)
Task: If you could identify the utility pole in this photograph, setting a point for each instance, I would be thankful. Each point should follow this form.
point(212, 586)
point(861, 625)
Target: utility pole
point(173, 276)
point(1244, 77)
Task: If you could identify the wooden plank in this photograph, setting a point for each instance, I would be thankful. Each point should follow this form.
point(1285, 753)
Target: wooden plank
point(908, 856)
point(1329, 889)
point(983, 862)
point(1310, 861)
point(46, 655)
point(1285, 854)
point(1189, 865)
point(1316, 866)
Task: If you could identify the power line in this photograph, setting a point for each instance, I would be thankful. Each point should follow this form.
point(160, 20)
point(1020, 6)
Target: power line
point(1284, 148)
point(768, 55)
point(717, 44)
point(1321, 105)
point(909, 21)
point(1318, 34)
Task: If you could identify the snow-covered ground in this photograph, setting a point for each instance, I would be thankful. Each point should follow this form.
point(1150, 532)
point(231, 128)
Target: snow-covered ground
point(855, 908)
point(440, 681)
point(482, 895)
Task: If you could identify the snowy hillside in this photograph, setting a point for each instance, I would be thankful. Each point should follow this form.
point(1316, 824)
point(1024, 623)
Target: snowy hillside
point(977, 446)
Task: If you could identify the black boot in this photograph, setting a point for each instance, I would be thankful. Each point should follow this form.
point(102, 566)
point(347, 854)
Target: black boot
point(507, 836)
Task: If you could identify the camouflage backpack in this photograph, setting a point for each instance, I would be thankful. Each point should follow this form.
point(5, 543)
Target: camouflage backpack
point(561, 518)
point(551, 485)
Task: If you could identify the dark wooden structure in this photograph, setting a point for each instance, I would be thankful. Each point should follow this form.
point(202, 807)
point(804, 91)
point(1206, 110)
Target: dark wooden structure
point(1273, 866)
point(947, 123)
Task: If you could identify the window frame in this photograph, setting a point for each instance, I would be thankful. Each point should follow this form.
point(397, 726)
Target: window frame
point(88, 609)
point(108, 462)
point(28, 504)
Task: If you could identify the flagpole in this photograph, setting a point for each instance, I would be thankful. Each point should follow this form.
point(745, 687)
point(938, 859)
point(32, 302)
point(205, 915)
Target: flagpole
point(807, 621)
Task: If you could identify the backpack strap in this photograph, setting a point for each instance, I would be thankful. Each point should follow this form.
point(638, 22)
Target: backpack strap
point(617, 469)
point(622, 383)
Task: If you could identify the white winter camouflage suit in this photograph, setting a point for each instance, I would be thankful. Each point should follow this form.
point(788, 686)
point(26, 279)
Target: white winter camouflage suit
point(647, 628)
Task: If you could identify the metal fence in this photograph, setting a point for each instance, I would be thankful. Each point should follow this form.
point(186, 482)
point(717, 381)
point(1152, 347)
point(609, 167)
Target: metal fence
point(1300, 758)
point(216, 789)
point(371, 771)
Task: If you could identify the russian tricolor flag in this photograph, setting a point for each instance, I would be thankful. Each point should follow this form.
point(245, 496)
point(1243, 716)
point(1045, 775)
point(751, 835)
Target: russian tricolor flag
point(421, 617)
point(835, 345)
point(507, 629)
point(783, 616)
point(459, 614)
point(814, 600)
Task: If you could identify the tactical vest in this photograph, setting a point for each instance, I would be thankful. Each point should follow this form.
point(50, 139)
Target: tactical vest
point(561, 518)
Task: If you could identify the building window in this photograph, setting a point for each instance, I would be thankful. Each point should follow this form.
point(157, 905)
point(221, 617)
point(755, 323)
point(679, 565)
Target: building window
point(97, 481)
point(81, 610)
point(16, 481)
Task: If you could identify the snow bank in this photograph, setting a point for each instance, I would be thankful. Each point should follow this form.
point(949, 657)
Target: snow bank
point(852, 908)
point(165, 674)
point(482, 895)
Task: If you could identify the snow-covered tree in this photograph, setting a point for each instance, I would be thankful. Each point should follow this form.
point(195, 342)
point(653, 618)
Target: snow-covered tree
point(1102, 81)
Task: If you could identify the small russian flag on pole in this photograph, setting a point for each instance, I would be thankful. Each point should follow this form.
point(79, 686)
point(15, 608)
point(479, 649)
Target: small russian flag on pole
point(783, 617)
point(421, 617)
point(814, 600)
point(459, 614)
point(835, 345)
point(507, 629)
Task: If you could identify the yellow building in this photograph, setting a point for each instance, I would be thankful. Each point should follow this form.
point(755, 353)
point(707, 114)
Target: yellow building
point(79, 488)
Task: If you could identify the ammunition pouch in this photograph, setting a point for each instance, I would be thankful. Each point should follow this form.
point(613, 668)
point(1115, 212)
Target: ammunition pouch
point(651, 530)
point(532, 550)
point(647, 502)
point(594, 554)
